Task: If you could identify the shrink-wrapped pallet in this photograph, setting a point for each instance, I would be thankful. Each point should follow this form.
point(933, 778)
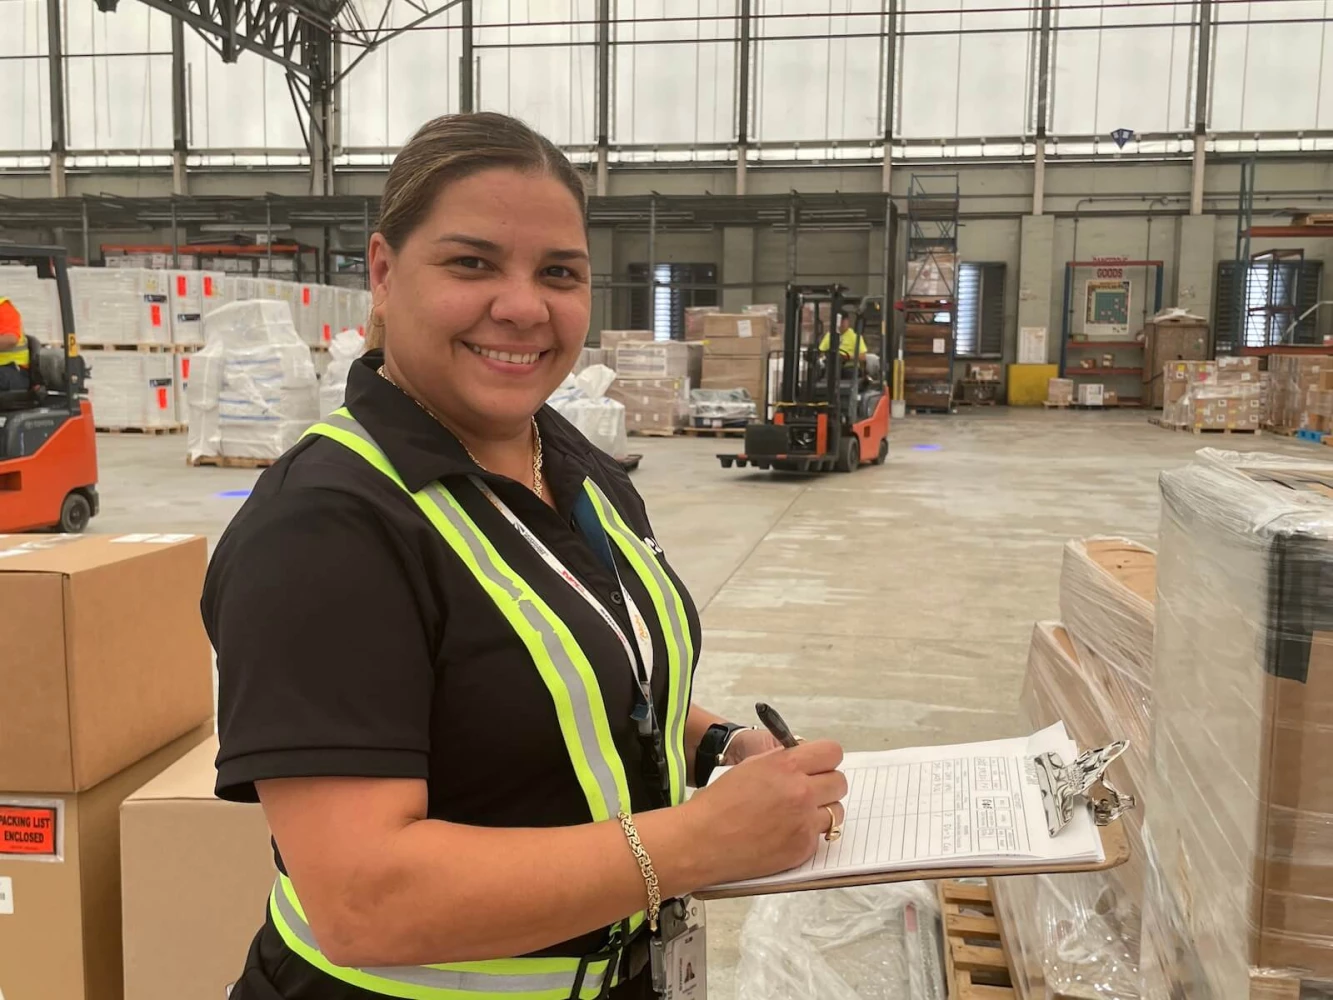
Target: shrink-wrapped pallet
point(131, 389)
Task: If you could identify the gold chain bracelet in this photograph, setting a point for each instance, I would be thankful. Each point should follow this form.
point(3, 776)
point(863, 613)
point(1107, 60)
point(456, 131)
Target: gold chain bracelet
point(645, 868)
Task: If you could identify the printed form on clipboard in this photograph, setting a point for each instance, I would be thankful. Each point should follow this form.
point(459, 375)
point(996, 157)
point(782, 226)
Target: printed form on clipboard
point(988, 805)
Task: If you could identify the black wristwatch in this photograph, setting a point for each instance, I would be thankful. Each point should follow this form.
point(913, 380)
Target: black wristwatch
point(717, 738)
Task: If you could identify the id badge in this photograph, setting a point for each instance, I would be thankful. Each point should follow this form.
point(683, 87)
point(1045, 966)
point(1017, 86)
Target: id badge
point(685, 951)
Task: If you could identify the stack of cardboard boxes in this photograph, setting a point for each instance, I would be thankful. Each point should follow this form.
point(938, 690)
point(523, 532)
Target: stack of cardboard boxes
point(1212, 395)
point(735, 349)
point(107, 680)
point(653, 379)
point(1292, 377)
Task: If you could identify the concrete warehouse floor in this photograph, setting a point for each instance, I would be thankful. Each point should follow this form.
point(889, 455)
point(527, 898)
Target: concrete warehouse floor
point(889, 607)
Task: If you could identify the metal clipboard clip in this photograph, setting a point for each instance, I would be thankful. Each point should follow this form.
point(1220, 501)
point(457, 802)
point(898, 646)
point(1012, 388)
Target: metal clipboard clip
point(1062, 785)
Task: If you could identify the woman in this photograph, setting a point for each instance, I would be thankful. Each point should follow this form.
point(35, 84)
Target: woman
point(454, 665)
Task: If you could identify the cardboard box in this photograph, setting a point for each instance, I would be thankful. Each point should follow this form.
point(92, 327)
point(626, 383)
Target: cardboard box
point(1172, 336)
point(661, 359)
point(60, 922)
point(1237, 369)
point(1091, 394)
point(611, 339)
point(738, 326)
point(652, 404)
point(694, 320)
point(1190, 371)
point(195, 874)
point(739, 347)
point(987, 372)
point(1060, 390)
point(111, 661)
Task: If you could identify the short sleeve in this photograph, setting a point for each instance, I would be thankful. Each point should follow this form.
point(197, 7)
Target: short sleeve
point(323, 652)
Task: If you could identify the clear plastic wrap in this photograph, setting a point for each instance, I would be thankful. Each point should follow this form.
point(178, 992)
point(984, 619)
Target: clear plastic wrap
point(252, 390)
point(192, 294)
point(721, 407)
point(120, 306)
point(1230, 405)
point(581, 399)
point(132, 388)
point(590, 356)
point(343, 351)
point(879, 942)
point(1291, 377)
point(657, 360)
point(1239, 833)
point(652, 404)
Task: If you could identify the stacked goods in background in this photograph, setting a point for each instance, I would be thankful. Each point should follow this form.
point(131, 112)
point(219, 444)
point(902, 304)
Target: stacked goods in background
point(196, 872)
point(252, 390)
point(1078, 935)
point(107, 682)
point(345, 348)
point(928, 333)
point(590, 356)
point(1212, 395)
point(133, 389)
point(1319, 405)
point(583, 400)
point(721, 408)
point(1290, 379)
point(1239, 830)
point(611, 339)
point(36, 300)
point(121, 305)
point(694, 320)
point(192, 294)
point(1060, 391)
point(736, 347)
point(768, 309)
point(653, 381)
point(1172, 335)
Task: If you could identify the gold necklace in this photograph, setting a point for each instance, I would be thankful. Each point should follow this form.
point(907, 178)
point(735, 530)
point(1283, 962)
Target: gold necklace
point(538, 485)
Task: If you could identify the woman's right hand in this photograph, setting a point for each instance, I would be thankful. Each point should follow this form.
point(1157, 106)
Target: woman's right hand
point(766, 814)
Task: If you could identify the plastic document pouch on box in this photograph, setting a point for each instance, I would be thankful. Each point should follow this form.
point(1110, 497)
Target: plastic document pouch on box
point(1003, 807)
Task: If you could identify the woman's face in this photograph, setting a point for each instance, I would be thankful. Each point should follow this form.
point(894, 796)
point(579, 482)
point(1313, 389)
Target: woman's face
point(486, 303)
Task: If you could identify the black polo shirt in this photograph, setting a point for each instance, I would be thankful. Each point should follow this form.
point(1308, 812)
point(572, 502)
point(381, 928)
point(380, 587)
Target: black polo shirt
point(352, 641)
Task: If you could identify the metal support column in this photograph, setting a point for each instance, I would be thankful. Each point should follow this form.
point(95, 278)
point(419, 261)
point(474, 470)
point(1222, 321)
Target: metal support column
point(175, 236)
point(55, 49)
point(1043, 112)
point(268, 238)
point(87, 233)
point(743, 47)
point(322, 111)
point(465, 70)
point(793, 224)
point(1201, 104)
point(652, 265)
point(180, 140)
point(365, 243)
point(603, 93)
point(890, 92)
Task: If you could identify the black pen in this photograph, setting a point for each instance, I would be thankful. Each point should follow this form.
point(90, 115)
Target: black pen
point(774, 724)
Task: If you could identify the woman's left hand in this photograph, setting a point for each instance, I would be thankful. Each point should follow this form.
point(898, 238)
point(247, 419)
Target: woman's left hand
point(750, 743)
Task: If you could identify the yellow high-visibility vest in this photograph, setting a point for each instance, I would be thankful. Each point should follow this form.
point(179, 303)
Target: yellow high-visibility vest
point(850, 344)
point(584, 725)
point(19, 355)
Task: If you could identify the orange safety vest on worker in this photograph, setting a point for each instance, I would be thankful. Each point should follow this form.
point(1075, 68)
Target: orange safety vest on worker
point(13, 344)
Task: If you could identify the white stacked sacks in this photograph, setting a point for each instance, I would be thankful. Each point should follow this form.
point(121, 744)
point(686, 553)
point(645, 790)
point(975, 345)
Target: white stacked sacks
point(582, 400)
point(351, 309)
point(252, 390)
point(193, 294)
point(313, 324)
point(132, 389)
point(121, 306)
point(36, 300)
point(343, 351)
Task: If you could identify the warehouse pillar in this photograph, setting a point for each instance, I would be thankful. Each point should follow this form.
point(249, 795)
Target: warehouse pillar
point(1201, 103)
point(603, 94)
point(737, 268)
point(465, 71)
point(1036, 275)
point(1196, 265)
point(1043, 109)
point(890, 92)
point(742, 95)
point(323, 113)
point(179, 99)
point(602, 264)
point(56, 67)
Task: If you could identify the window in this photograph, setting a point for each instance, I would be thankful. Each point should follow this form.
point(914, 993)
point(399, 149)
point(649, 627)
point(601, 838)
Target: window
point(980, 331)
point(675, 287)
point(1291, 284)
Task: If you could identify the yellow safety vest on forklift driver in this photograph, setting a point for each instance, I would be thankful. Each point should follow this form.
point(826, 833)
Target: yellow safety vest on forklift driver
point(578, 704)
point(19, 354)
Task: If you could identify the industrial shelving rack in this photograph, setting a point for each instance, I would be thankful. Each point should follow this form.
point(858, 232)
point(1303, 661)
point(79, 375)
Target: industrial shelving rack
point(930, 293)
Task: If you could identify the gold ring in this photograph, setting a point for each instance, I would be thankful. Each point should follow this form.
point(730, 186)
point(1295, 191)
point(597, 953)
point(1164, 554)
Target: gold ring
point(834, 827)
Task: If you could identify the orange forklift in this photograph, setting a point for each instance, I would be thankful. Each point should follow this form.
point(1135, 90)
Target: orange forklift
point(830, 414)
point(48, 449)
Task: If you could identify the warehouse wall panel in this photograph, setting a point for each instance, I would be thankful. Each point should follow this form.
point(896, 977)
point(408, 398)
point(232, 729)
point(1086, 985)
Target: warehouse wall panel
point(1278, 75)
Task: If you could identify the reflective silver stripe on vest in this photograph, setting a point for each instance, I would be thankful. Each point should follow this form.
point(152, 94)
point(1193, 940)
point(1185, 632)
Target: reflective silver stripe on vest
point(551, 644)
point(679, 632)
point(447, 979)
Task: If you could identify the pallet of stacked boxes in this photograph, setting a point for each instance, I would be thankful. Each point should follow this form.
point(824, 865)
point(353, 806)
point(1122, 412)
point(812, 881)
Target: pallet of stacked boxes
point(134, 391)
point(1221, 395)
point(611, 339)
point(35, 298)
point(1291, 377)
point(253, 390)
point(1238, 901)
point(694, 321)
point(653, 380)
point(736, 348)
point(1078, 935)
point(126, 306)
point(192, 294)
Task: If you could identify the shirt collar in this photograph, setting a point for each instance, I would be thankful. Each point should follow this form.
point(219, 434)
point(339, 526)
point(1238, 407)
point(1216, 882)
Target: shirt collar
point(422, 450)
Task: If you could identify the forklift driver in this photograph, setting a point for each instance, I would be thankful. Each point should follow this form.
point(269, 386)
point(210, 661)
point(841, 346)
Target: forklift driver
point(851, 345)
point(18, 352)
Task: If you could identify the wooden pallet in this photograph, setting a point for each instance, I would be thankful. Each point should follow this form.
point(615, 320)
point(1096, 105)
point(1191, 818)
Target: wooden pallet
point(650, 432)
point(151, 431)
point(1159, 422)
point(715, 432)
point(229, 462)
point(976, 962)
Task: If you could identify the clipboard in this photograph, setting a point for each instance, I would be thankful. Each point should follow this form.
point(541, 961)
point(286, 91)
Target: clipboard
point(1115, 846)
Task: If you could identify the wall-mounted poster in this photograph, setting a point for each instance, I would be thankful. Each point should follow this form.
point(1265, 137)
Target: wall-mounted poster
point(1107, 306)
